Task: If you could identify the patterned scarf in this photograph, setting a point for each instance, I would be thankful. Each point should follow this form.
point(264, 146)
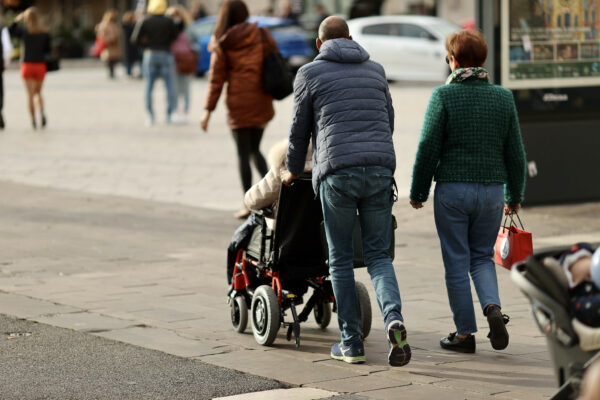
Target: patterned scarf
point(462, 74)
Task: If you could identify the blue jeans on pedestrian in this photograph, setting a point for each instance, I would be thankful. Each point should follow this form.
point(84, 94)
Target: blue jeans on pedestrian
point(467, 217)
point(182, 84)
point(159, 64)
point(367, 190)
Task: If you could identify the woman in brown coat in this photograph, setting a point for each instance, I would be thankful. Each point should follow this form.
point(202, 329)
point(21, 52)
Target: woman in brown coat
point(238, 49)
point(110, 32)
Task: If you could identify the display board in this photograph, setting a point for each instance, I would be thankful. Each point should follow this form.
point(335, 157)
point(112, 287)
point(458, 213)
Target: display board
point(550, 44)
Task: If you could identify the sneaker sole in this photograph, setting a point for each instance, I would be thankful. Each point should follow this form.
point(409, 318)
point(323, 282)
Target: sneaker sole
point(498, 332)
point(349, 360)
point(400, 353)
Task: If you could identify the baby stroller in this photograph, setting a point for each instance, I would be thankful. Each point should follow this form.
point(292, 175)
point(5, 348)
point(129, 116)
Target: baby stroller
point(273, 273)
point(573, 346)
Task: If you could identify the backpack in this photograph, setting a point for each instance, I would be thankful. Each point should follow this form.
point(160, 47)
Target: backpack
point(185, 58)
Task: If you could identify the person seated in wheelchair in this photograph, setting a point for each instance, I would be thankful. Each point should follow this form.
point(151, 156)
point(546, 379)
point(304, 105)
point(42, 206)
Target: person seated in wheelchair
point(262, 196)
point(581, 266)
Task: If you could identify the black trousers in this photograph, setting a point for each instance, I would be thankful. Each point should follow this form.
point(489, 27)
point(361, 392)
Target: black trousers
point(248, 143)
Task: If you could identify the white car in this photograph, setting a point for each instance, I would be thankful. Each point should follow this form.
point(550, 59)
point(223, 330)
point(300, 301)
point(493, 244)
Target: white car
point(409, 47)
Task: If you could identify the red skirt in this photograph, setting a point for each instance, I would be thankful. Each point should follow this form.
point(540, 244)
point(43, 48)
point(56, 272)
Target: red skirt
point(33, 70)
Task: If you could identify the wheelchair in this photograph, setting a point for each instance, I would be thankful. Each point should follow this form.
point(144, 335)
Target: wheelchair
point(573, 346)
point(281, 262)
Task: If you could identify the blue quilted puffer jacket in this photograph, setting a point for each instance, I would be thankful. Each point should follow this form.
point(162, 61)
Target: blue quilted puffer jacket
point(342, 101)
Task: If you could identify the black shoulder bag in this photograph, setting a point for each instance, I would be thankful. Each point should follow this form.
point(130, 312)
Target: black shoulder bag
point(278, 80)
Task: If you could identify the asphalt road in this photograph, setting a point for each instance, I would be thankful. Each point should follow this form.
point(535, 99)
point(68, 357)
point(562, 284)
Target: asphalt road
point(44, 362)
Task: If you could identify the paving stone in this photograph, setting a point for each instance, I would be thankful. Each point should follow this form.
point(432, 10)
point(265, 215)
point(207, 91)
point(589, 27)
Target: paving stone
point(84, 321)
point(25, 307)
point(422, 392)
point(279, 367)
point(365, 383)
point(164, 340)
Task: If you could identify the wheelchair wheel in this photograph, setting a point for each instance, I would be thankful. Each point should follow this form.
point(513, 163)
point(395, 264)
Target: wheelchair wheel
point(239, 313)
point(364, 302)
point(265, 314)
point(322, 313)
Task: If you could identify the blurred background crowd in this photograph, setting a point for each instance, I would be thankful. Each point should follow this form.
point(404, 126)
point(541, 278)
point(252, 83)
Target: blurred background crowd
point(73, 23)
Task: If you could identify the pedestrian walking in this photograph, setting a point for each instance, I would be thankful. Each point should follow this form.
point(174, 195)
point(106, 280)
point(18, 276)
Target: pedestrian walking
point(132, 52)
point(109, 31)
point(36, 47)
point(470, 145)
point(342, 101)
point(155, 33)
point(185, 50)
point(238, 50)
point(5, 49)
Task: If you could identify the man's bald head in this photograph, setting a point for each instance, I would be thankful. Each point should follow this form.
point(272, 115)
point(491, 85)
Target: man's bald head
point(333, 28)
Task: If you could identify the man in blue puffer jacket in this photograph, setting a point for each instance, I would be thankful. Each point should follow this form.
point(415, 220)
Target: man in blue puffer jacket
point(342, 101)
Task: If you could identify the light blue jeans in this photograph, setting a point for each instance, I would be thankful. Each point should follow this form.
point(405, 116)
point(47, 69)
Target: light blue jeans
point(182, 83)
point(367, 190)
point(159, 64)
point(467, 217)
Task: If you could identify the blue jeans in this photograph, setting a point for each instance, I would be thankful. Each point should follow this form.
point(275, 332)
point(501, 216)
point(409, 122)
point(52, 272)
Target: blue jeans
point(467, 217)
point(159, 64)
point(368, 190)
point(182, 83)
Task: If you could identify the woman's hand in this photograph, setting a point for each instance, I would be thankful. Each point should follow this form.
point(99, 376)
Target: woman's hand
point(416, 204)
point(509, 210)
point(19, 17)
point(204, 121)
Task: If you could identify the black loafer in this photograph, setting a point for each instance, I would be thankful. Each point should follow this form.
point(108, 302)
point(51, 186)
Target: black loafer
point(498, 334)
point(454, 343)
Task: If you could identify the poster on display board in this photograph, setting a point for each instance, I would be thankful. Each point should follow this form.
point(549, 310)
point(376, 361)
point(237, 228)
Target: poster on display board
point(550, 43)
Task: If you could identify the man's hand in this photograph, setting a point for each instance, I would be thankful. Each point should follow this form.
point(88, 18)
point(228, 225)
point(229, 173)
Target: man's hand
point(287, 177)
point(204, 121)
point(416, 204)
point(509, 210)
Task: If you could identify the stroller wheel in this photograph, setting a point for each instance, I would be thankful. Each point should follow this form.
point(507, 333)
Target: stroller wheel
point(364, 302)
point(265, 314)
point(322, 313)
point(239, 313)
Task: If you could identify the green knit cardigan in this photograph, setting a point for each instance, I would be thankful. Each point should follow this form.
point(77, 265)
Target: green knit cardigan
point(470, 134)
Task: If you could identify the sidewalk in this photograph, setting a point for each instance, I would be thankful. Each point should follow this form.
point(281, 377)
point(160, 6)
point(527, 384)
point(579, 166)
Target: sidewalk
point(152, 275)
point(119, 230)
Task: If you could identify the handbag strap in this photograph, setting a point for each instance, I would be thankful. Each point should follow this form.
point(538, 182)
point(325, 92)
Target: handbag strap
point(512, 221)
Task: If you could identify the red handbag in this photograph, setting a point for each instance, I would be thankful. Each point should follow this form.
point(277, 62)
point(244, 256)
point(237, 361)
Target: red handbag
point(98, 47)
point(513, 244)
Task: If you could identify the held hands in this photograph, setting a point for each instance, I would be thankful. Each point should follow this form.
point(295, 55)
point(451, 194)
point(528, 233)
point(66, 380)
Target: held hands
point(287, 177)
point(204, 120)
point(416, 204)
point(509, 210)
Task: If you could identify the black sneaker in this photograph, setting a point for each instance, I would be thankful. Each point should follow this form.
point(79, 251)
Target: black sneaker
point(1, 121)
point(454, 343)
point(498, 334)
point(399, 350)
